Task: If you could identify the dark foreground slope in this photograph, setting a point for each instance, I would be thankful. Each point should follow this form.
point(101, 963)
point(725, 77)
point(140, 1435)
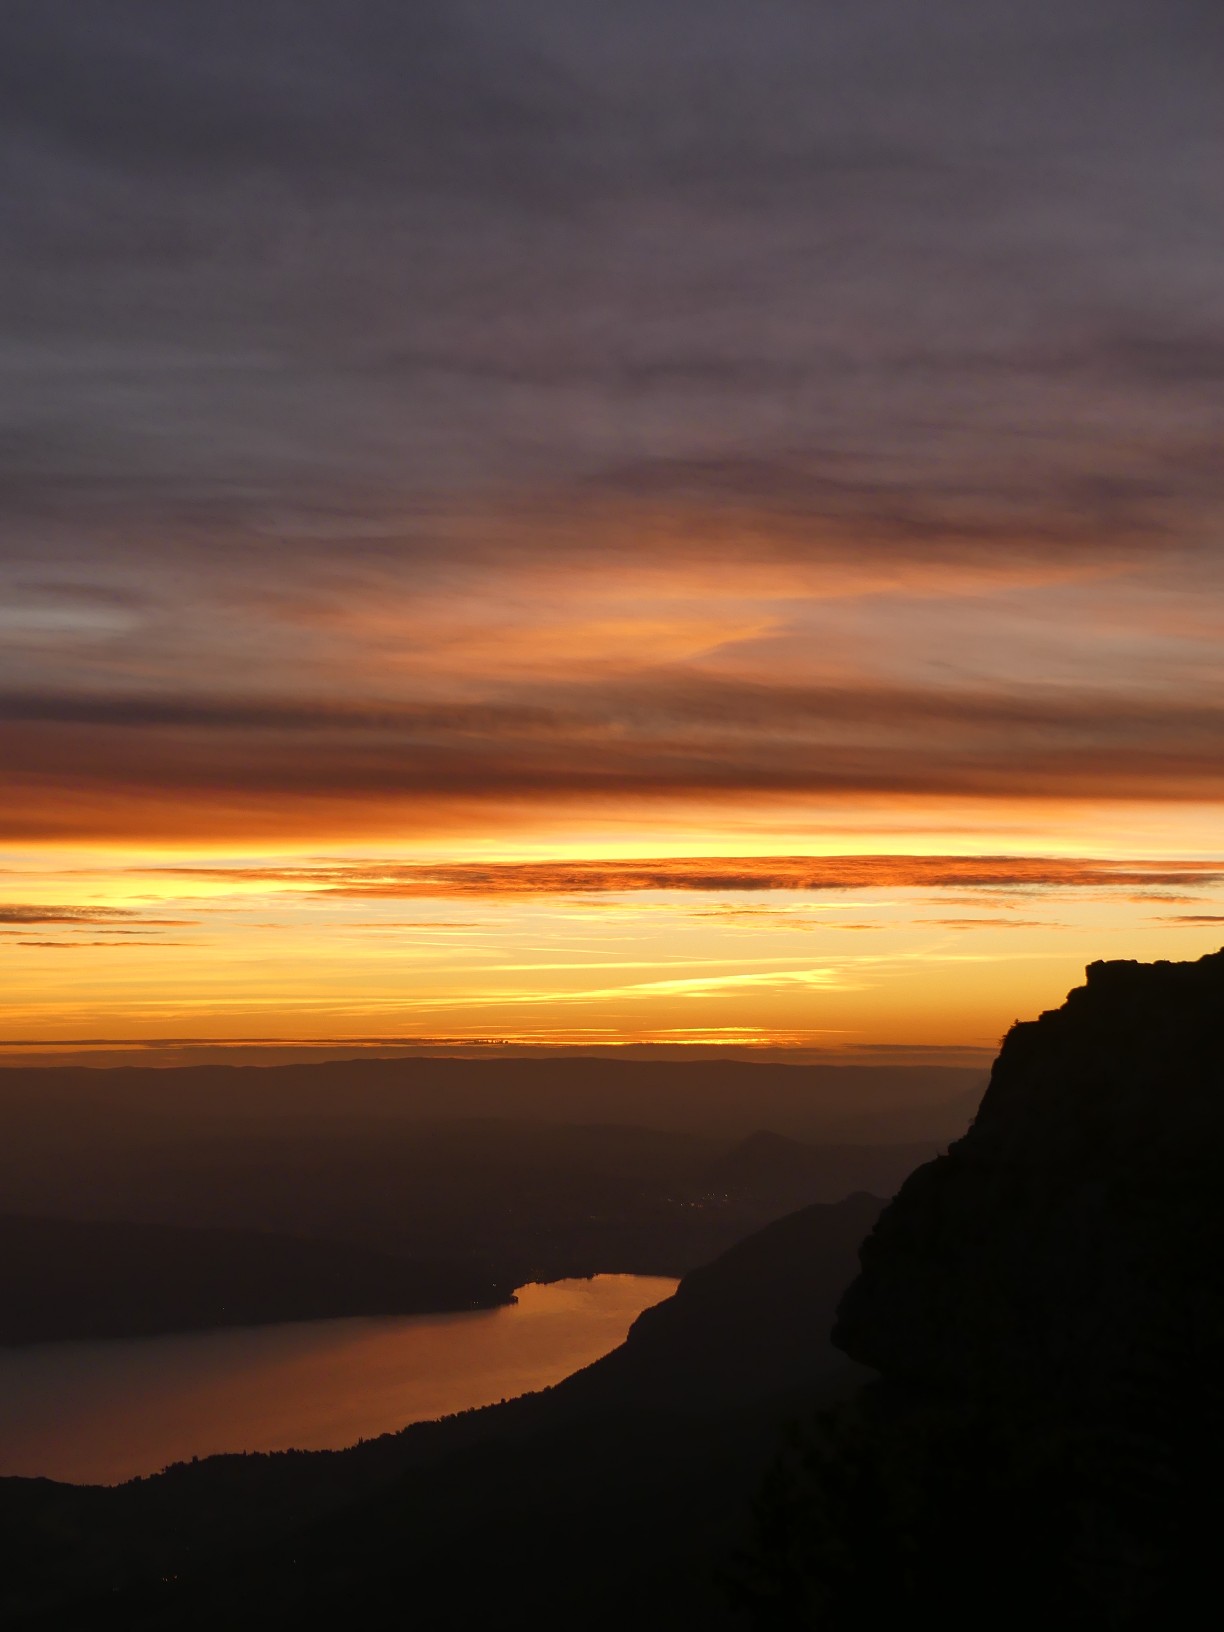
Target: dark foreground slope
point(605, 1501)
point(1046, 1305)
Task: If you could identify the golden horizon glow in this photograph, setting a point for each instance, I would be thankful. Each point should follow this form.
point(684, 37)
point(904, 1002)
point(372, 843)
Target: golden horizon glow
point(800, 952)
point(576, 471)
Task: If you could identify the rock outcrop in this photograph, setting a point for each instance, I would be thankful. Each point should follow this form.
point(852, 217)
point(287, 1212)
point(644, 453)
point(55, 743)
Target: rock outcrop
point(1045, 1307)
point(1077, 1225)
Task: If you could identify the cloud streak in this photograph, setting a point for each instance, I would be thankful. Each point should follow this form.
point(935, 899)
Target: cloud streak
point(20, 914)
point(134, 761)
point(721, 875)
point(450, 419)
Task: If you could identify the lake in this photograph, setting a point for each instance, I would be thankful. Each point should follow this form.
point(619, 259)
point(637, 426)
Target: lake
point(102, 1412)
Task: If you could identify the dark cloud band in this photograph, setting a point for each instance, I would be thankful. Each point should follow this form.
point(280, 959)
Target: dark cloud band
point(714, 874)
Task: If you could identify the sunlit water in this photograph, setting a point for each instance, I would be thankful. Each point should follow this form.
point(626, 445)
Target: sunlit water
point(99, 1413)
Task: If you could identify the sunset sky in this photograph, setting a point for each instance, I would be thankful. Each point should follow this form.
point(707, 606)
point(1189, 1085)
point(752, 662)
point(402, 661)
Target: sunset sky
point(581, 522)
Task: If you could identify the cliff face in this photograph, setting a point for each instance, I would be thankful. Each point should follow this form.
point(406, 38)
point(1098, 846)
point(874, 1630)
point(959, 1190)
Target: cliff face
point(1080, 1221)
point(1045, 1305)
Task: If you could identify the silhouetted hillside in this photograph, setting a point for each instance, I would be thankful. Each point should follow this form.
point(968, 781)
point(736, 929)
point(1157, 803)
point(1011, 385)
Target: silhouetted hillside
point(622, 1485)
point(1046, 1305)
point(63, 1279)
point(754, 1322)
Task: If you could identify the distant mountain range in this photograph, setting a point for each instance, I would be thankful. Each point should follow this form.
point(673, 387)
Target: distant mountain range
point(722, 1100)
point(348, 1159)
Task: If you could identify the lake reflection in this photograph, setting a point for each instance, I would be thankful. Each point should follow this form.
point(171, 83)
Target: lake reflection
point(99, 1413)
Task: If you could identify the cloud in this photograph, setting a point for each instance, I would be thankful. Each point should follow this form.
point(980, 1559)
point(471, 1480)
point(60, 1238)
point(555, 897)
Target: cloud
point(389, 250)
point(991, 923)
point(113, 920)
point(756, 915)
point(357, 358)
point(723, 875)
point(135, 762)
point(12, 914)
point(150, 941)
point(692, 986)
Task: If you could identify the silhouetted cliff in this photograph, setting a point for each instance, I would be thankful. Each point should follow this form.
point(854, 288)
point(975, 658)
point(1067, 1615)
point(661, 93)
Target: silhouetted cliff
point(1046, 1308)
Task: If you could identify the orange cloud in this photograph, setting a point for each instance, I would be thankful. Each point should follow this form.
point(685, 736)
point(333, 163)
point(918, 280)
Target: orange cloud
point(395, 881)
point(117, 765)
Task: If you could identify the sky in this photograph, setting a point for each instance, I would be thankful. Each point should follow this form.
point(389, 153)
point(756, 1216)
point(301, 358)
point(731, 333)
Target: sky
point(675, 521)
